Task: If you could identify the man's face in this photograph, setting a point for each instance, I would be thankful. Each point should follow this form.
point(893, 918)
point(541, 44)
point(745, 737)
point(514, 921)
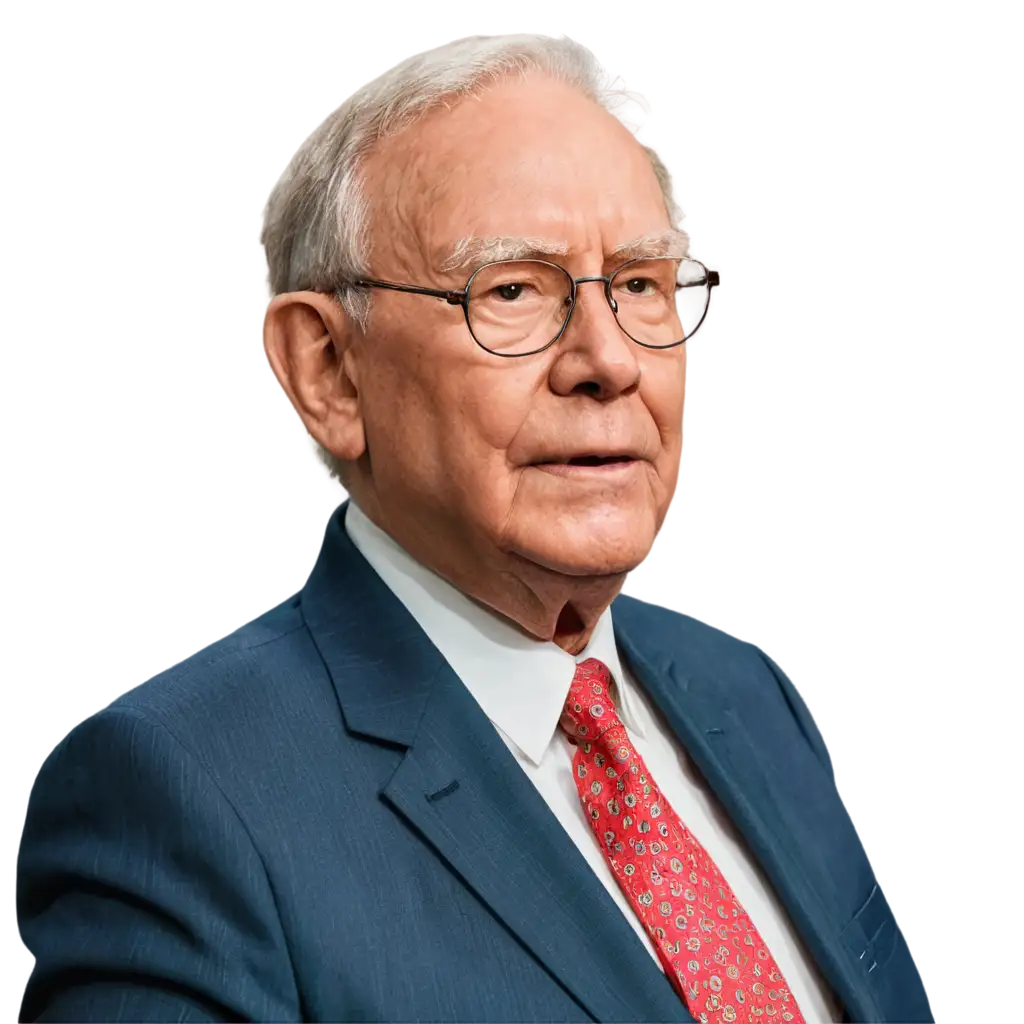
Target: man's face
point(486, 458)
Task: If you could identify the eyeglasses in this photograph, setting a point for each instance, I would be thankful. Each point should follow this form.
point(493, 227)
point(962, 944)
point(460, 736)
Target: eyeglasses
point(521, 307)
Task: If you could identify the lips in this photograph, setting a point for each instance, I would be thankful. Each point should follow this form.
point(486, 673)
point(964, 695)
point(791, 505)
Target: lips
point(597, 460)
point(585, 458)
point(589, 466)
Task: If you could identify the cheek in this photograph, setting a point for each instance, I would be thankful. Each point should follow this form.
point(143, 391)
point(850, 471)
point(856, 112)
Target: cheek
point(663, 391)
point(400, 403)
point(439, 415)
point(496, 401)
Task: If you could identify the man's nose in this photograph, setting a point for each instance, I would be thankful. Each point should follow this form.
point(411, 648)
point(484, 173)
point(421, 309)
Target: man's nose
point(595, 357)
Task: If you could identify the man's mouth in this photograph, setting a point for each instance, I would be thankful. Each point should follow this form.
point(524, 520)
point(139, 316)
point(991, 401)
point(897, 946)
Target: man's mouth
point(583, 463)
point(598, 460)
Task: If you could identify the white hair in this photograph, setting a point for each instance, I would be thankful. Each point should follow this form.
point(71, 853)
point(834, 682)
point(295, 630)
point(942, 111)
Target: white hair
point(315, 230)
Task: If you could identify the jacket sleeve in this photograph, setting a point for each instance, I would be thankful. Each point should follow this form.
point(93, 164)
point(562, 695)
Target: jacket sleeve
point(140, 891)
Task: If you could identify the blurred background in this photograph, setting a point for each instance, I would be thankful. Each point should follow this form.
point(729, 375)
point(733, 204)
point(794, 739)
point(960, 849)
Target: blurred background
point(850, 495)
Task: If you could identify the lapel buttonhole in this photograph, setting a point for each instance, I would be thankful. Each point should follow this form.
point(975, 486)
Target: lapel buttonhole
point(443, 791)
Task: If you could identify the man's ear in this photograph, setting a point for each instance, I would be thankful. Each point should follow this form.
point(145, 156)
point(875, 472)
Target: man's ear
point(308, 339)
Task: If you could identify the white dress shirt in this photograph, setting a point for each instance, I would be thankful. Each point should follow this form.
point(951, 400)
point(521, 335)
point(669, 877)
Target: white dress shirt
point(521, 684)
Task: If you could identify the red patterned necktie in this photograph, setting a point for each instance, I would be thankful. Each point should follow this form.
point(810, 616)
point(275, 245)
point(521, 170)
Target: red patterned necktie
point(711, 951)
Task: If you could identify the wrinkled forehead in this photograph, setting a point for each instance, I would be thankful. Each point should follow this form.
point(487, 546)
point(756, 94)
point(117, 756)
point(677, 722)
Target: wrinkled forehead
point(528, 165)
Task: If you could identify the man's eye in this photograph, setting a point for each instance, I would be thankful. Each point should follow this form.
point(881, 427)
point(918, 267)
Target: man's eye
point(509, 292)
point(637, 285)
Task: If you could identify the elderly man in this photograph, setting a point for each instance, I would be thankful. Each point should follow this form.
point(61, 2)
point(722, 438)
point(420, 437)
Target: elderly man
point(456, 777)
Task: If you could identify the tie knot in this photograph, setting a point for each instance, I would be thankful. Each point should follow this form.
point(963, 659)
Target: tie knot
point(589, 709)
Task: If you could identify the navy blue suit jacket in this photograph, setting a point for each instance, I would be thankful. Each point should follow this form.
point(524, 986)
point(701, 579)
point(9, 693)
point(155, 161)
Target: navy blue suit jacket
point(313, 819)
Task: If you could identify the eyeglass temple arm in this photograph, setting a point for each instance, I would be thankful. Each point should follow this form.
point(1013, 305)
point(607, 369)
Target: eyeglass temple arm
point(718, 273)
point(710, 282)
point(454, 298)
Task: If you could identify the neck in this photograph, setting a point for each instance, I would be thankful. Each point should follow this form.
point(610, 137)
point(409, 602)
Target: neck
point(541, 602)
point(544, 604)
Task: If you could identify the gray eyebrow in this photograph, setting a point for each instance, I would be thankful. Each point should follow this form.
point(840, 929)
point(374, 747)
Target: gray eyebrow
point(671, 242)
point(474, 252)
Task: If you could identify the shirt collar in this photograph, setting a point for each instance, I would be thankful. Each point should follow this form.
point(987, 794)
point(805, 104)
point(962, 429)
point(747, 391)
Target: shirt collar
point(520, 682)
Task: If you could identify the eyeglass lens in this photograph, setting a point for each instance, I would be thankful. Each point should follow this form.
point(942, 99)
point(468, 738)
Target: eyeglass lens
point(519, 306)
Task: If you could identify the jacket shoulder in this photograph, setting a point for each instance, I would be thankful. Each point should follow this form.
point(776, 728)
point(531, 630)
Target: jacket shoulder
point(742, 671)
point(139, 863)
point(208, 687)
point(681, 635)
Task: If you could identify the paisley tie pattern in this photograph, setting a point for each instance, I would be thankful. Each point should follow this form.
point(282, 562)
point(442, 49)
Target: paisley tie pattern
point(710, 949)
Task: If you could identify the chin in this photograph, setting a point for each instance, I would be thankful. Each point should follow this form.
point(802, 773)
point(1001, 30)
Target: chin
point(594, 542)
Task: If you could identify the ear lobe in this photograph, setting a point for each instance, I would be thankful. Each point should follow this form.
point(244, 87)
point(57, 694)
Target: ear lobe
point(307, 337)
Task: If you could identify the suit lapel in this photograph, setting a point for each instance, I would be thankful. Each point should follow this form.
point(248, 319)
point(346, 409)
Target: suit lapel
point(713, 736)
point(462, 789)
point(460, 786)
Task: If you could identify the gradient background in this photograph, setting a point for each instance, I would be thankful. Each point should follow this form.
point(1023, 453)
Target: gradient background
point(850, 496)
